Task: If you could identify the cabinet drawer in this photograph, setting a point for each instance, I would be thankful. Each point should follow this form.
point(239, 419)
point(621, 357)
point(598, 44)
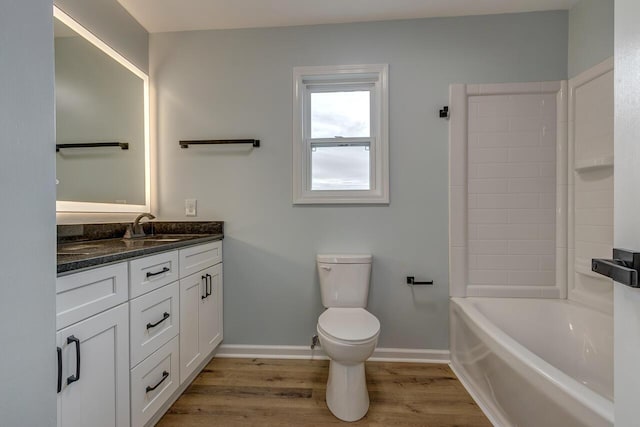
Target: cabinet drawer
point(153, 382)
point(199, 257)
point(153, 272)
point(81, 295)
point(154, 320)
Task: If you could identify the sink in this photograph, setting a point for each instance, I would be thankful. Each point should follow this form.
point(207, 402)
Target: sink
point(169, 237)
point(78, 248)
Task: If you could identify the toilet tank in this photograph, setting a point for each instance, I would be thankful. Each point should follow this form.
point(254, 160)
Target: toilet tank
point(344, 280)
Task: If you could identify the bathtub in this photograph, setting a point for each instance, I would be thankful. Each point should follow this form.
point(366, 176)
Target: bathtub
point(534, 362)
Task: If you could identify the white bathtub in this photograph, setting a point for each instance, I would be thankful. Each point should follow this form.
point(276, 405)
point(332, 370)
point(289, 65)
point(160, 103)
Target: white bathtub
point(534, 362)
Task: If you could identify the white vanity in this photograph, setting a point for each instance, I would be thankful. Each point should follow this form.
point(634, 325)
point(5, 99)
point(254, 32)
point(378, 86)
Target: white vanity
point(136, 318)
point(132, 335)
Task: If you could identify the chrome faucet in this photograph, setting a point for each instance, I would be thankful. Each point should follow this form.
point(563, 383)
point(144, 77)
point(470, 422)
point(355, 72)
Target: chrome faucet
point(135, 230)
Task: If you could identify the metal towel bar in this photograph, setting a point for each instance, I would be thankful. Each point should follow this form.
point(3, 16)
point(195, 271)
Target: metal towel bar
point(122, 145)
point(186, 144)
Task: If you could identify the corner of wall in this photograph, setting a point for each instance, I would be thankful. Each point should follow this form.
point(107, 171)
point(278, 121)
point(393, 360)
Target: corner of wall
point(591, 27)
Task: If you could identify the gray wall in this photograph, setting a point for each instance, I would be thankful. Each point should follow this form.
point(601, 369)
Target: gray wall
point(27, 191)
point(108, 20)
point(238, 83)
point(590, 34)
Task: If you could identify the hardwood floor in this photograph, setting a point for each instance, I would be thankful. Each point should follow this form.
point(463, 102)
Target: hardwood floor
point(267, 392)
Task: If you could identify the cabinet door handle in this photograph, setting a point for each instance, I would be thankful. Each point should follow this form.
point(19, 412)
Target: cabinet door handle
point(76, 377)
point(203, 280)
point(165, 316)
point(209, 285)
point(59, 369)
point(165, 375)
point(164, 270)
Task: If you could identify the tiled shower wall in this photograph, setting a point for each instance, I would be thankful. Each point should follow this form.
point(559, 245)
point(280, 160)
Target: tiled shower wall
point(512, 190)
point(591, 123)
point(508, 191)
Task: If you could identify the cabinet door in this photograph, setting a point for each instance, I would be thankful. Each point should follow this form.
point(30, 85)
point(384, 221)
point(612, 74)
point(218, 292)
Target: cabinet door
point(192, 292)
point(100, 397)
point(211, 311)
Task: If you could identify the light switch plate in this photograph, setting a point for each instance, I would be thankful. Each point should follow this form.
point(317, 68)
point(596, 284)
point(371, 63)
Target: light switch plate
point(190, 207)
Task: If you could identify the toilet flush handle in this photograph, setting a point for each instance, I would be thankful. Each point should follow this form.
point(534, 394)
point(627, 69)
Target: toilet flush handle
point(325, 267)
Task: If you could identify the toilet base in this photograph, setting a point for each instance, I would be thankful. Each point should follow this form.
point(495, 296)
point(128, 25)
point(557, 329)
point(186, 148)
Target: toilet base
point(347, 395)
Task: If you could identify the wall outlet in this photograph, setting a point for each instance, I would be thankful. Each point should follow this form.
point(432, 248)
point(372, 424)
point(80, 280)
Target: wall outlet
point(190, 207)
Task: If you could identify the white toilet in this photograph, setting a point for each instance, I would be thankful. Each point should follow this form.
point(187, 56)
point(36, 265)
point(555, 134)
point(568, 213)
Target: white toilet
point(348, 333)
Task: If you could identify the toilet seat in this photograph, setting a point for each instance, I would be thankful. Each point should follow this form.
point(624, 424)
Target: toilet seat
point(349, 325)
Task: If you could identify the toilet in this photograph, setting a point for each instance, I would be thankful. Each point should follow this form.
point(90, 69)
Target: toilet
point(347, 332)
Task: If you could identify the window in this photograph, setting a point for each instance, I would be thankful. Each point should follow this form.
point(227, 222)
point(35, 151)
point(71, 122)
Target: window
point(340, 139)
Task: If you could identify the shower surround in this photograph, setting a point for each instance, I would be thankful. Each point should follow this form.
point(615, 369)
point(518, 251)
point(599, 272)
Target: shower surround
point(531, 202)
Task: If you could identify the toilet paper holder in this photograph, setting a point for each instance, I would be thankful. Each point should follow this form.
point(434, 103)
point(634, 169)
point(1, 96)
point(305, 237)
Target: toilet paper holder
point(411, 280)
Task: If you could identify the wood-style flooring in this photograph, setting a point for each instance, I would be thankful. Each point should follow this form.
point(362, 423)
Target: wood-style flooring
point(267, 392)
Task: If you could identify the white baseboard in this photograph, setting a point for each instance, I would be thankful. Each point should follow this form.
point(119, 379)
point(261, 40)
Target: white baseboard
point(304, 352)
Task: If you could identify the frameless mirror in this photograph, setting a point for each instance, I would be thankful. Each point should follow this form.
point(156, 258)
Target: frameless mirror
point(102, 131)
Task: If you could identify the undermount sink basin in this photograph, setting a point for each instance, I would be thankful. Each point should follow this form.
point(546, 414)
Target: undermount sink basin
point(78, 248)
point(160, 238)
point(107, 246)
point(72, 253)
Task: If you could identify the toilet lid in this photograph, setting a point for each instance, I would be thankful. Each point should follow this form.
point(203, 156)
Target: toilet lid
point(349, 324)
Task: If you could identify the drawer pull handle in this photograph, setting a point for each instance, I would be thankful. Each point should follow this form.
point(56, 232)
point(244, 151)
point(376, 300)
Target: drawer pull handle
point(204, 281)
point(164, 270)
point(209, 285)
point(165, 316)
point(165, 375)
point(76, 377)
point(59, 369)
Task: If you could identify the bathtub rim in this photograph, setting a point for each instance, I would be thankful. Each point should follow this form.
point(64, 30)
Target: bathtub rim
point(599, 404)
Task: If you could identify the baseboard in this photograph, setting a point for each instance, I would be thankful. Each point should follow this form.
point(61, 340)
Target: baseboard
point(303, 352)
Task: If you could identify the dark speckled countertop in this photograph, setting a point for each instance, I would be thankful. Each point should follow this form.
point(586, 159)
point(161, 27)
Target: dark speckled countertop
point(86, 246)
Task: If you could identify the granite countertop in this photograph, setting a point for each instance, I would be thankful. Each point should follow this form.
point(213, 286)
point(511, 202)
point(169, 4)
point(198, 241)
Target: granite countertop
point(91, 245)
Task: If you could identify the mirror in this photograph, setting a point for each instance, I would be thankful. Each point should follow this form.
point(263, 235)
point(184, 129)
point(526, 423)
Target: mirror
point(102, 125)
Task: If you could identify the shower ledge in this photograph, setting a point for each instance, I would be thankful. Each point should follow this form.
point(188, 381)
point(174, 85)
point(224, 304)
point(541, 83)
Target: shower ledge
point(593, 163)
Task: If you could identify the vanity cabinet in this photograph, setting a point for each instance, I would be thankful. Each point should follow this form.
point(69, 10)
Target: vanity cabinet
point(132, 334)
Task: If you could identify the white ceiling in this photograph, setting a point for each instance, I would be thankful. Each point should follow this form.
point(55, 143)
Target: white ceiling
point(183, 15)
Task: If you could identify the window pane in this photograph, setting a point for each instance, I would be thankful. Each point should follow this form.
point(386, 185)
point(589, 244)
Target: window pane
point(335, 167)
point(345, 114)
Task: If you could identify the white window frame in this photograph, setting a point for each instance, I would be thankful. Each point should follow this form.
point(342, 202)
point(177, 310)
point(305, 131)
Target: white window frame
point(307, 80)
